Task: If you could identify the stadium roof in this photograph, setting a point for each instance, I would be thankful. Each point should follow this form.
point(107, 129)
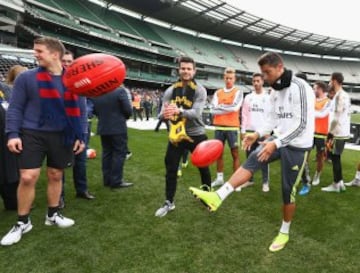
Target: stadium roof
point(218, 18)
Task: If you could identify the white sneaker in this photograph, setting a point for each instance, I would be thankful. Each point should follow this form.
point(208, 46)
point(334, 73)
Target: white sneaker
point(217, 182)
point(266, 187)
point(335, 187)
point(15, 233)
point(59, 220)
point(238, 189)
point(128, 155)
point(168, 206)
point(316, 180)
point(353, 183)
point(247, 184)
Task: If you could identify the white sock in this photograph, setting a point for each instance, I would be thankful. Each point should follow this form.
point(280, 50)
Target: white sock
point(357, 175)
point(220, 176)
point(225, 190)
point(285, 227)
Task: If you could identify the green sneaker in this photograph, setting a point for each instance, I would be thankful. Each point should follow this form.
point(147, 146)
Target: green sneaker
point(279, 242)
point(210, 199)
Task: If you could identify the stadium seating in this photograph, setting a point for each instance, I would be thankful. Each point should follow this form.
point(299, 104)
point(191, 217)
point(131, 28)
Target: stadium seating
point(110, 25)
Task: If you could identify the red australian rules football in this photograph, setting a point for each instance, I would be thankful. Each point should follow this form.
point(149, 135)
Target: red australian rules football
point(207, 152)
point(94, 74)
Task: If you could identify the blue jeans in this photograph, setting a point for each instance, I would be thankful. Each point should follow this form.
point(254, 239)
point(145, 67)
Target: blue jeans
point(114, 149)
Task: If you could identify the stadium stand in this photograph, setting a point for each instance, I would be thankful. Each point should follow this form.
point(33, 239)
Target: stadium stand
point(146, 47)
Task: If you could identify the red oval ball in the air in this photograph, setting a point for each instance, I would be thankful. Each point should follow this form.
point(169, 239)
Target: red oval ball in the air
point(94, 74)
point(207, 152)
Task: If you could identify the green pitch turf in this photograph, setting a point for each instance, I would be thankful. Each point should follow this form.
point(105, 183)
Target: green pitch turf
point(355, 118)
point(118, 232)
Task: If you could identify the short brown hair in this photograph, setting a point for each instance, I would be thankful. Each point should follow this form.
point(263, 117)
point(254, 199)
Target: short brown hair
point(337, 76)
point(68, 52)
point(52, 44)
point(257, 74)
point(323, 86)
point(186, 59)
point(270, 58)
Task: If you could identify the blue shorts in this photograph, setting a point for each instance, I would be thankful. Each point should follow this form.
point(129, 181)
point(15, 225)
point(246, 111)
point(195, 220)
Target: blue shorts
point(231, 136)
point(292, 166)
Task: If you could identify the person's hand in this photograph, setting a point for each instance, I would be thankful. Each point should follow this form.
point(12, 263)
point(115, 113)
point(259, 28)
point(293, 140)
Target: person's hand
point(15, 145)
point(79, 146)
point(170, 110)
point(267, 150)
point(249, 140)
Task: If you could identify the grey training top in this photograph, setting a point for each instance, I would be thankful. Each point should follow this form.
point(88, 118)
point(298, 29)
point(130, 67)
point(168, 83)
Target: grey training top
point(194, 124)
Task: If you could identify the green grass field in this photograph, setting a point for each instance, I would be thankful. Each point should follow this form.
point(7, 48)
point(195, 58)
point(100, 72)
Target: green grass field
point(355, 118)
point(118, 232)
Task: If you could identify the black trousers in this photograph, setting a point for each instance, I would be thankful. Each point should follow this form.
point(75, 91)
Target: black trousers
point(172, 159)
point(114, 149)
point(9, 171)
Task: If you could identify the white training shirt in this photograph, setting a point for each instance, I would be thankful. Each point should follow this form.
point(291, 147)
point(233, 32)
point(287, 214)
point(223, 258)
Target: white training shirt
point(292, 115)
point(340, 122)
point(255, 109)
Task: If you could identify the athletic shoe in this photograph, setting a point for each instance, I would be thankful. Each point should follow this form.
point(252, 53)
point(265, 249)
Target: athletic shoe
point(247, 184)
point(316, 180)
point(266, 187)
point(238, 189)
point(335, 187)
point(15, 233)
point(217, 182)
point(58, 220)
point(210, 199)
point(205, 187)
point(353, 183)
point(179, 173)
point(167, 207)
point(128, 155)
point(279, 242)
point(305, 190)
point(184, 165)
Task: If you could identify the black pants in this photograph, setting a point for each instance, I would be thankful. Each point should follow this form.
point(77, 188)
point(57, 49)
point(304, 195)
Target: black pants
point(9, 171)
point(147, 112)
point(114, 148)
point(335, 155)
point(172, 159)
point(137, 113)
point(159, 124)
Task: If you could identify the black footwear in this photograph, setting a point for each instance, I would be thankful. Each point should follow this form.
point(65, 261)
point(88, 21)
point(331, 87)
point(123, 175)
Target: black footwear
point(122, 185)
point(85, 195)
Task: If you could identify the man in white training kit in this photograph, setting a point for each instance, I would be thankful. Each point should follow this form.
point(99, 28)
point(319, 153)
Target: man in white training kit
point(255, 109)
point(292, 119)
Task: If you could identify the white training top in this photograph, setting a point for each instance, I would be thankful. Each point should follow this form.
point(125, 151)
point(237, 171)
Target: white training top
point(340, 122)
point(255, 109)
point(292, 115)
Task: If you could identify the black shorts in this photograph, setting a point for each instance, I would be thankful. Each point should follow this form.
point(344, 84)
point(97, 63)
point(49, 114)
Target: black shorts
point(231, 136)
point(292, 166)
point(319, 144)
point(38, 144)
